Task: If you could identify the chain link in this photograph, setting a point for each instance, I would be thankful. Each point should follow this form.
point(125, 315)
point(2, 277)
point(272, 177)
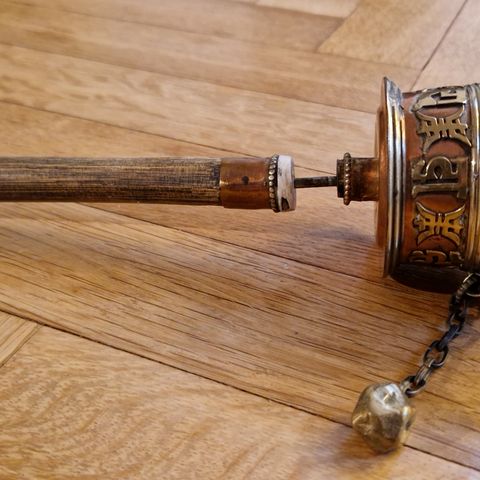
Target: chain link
point(436, 354)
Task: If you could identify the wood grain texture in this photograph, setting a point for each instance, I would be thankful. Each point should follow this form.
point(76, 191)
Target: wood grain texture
point(14, 333)
point(279, 71)
point(455, 61)
point(66, 415)
point(400, 33)
point(198, 113)
point(290, 332)
point(333, 8)
point(270, 26)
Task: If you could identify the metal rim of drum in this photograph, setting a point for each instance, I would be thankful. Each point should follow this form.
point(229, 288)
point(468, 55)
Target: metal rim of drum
point(395, 155)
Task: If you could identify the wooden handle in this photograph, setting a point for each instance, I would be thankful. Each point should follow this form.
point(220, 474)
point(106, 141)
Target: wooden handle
point(231, 182)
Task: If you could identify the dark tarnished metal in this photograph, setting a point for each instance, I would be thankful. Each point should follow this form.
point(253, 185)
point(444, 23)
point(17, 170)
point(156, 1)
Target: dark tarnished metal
point(437, 352)
point(313, 182)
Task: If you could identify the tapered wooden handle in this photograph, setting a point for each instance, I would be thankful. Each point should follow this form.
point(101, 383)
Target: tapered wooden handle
point(231, 182)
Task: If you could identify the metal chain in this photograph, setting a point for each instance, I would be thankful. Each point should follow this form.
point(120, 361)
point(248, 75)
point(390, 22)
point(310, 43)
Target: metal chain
point(436, 354)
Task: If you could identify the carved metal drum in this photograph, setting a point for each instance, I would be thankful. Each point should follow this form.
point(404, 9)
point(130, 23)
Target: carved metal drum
point(425, 177)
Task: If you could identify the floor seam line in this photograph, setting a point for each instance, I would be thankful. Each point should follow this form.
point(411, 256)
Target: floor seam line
point(207, 82)
point(23, 342)
point(144, 132)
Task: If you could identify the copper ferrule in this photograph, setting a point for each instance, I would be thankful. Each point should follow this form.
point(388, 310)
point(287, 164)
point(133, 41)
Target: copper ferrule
point(357, 179)
point(244, 183)
point(256, 183)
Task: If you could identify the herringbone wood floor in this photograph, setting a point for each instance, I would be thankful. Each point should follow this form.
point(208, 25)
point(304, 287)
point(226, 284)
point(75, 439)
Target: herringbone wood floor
point(179, 342)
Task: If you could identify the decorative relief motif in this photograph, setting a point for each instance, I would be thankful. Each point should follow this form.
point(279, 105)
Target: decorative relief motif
point(435, 257)
point(438, 174)
point(446, 224)
point(441, 97)
point(436, 128)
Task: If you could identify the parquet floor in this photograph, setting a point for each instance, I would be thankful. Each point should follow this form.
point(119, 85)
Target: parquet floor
point(163, 342)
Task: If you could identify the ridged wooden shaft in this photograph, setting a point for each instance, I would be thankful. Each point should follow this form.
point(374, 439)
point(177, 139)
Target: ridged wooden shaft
point(232, 182)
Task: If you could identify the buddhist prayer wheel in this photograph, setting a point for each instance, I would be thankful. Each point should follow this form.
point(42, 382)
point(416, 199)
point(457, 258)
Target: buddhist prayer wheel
point(424, 177)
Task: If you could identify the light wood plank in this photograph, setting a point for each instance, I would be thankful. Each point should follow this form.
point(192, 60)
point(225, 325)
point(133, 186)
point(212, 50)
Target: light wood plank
point(26, 129)
point(243, 65)
point(334, 8)
point(455, 61)
point(14, 332)
point(321, 232)
point(270, 26)
point(401, 33)
point(74, 409)
point(324, 239)
point(287, 331)
point(227, 118)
